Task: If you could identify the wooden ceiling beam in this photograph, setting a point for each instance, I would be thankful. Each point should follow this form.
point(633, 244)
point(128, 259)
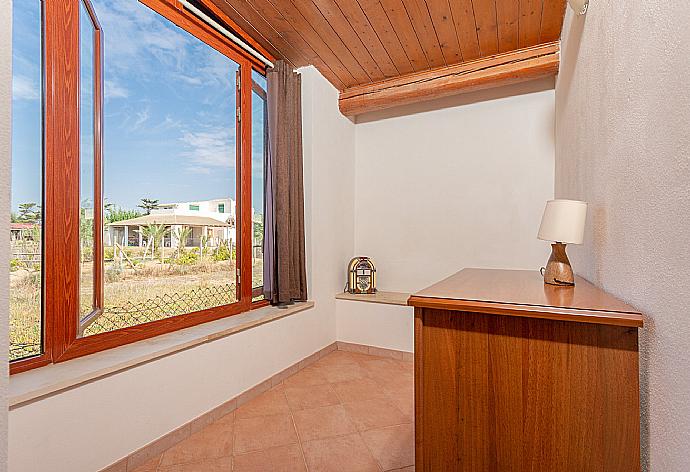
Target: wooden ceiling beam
point(499, 70)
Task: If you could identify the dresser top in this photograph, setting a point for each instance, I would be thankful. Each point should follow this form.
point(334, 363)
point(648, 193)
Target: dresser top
point(523, 293)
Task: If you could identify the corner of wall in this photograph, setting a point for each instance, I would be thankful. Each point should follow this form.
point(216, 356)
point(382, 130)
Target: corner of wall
point(622, 114)
point(329, 153)
point(5, 164)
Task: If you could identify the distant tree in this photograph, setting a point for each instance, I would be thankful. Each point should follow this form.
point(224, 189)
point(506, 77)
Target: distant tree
point(29, 212)
point(258, 231)
point(148, 204)
point(114, 213)
point(86, 235)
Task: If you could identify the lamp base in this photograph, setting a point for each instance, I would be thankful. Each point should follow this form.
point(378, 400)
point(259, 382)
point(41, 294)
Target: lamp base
point(558, 270)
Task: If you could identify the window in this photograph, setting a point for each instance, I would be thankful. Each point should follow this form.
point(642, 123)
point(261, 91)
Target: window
point(26, 248)
point(156, 114)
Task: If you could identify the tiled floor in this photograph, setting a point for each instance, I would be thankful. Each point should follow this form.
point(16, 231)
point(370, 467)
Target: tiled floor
point(348, 412)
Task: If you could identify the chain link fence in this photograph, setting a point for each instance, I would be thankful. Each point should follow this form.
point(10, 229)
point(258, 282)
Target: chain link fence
point(22, 350)
point(153, 309)
point(161, 307)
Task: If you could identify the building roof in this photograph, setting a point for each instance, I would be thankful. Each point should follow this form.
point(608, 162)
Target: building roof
point(170, 219)
point(22, 225)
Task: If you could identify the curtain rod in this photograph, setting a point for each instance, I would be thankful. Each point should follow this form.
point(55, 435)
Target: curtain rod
point(214, 24)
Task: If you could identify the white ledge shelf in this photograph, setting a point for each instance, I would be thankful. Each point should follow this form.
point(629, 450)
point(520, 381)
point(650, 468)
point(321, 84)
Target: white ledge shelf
point(387, 298)
point(49, 380)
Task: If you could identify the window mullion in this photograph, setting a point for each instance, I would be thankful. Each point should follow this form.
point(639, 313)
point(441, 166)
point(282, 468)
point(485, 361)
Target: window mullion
point(245, 125)
point(62, 206)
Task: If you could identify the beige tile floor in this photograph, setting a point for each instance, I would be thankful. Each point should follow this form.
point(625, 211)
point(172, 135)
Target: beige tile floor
point(348, 412)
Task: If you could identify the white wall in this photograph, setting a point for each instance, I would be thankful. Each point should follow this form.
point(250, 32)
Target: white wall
point(453, 187)
point(329, 142)
point(623, 145)
point(459, 182)
point(375, 324)
point(105, 420)
point(5, 141)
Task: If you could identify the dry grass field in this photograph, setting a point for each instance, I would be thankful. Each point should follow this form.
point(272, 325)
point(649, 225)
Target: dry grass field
point(134, 293)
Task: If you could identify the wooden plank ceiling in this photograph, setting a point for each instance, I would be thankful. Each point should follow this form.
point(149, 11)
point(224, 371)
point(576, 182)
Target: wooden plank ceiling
point(358, 42)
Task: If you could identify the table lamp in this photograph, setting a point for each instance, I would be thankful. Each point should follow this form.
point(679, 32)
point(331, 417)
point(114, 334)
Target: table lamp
point(563, 223)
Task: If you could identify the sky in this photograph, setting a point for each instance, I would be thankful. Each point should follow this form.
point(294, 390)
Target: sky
point(169, 110)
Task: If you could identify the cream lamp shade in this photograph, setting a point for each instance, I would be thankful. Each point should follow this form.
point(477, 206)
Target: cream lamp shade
point(563, 221)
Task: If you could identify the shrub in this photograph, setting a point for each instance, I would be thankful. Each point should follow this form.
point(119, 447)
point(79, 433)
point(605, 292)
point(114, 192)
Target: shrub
point(86, 254)
point(15, 264)
point(222, 254)
point(186, 258)
point(108, 253)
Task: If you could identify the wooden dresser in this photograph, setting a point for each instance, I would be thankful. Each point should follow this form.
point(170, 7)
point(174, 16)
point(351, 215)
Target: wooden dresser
point(513, 375)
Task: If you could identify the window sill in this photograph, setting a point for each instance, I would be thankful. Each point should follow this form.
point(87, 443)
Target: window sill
point(387, 298)
point(32, 385)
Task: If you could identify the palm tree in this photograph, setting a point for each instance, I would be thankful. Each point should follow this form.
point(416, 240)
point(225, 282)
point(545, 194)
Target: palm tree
point(182, 234)
point(147, 233)
point(154, 234)
point(203, 242)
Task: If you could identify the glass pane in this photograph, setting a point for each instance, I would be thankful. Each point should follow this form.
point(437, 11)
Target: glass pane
point(259, 133)
point(27, 182)
point(169, 170)
point(86, 161)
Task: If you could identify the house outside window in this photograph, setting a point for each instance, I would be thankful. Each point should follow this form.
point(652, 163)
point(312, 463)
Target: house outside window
point(194, 207)
point(221, 208)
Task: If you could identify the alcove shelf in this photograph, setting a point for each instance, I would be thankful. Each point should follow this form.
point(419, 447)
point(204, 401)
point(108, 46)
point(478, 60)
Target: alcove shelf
point(387, 298)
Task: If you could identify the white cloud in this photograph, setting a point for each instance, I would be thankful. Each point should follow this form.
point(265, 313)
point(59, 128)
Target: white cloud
point(24, 88)
point(209, 149)
point(114, 90)
point(135, 35)
point(188, 79)
point(198, 170)
point(142, 117)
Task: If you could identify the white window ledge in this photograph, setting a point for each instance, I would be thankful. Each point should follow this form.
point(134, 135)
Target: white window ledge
point(387, 298)
point(51, 379)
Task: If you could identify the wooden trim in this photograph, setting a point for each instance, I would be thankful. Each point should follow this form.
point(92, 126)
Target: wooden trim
point(98, 266)
point(61, 218)
point(99, 342)
point(419, 379)
point(499, 70)
point(259, 90)
point(172, 11)
point(235, 28)
point(245, 177)
point(260, 304)
point(530, 311)
point(22, 365)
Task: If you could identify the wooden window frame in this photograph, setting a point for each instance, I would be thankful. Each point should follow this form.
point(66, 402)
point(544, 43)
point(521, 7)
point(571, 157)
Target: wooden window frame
point(61, 326)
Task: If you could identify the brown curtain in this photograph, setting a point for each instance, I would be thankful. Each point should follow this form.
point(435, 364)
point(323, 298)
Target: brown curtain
point(285, 278)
